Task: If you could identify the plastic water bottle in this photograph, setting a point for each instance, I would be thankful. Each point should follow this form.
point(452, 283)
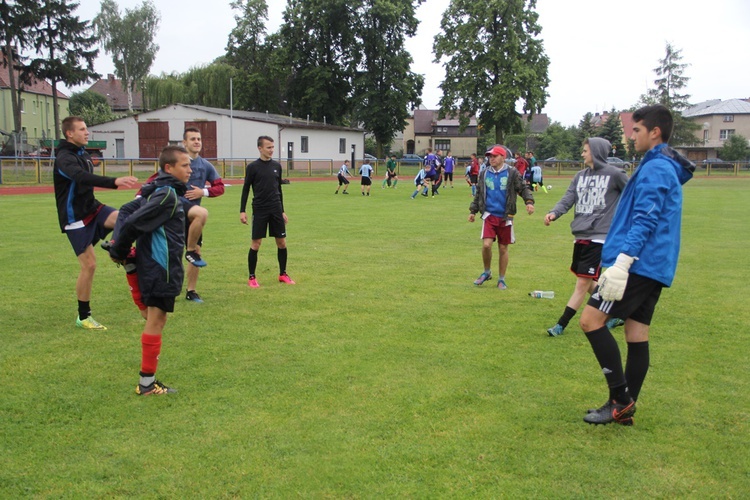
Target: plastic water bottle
point(542, 294)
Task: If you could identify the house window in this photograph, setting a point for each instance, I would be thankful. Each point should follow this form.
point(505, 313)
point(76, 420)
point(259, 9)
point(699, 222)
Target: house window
point(342, 146)
point(23, 105)
point(728, 118)
point(443, 145)
point(705, 136)
point(304, 144)
point(726, 134)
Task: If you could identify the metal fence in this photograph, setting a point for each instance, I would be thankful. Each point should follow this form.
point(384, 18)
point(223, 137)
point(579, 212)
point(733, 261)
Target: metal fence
point(38, 170)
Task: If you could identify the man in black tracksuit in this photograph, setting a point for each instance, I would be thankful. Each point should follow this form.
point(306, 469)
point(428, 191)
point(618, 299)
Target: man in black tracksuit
point(156, 221)
point(83, 218)
point(264, 176)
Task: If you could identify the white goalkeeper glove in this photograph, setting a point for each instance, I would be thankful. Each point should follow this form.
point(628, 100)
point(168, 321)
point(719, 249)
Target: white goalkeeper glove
point(613, 280)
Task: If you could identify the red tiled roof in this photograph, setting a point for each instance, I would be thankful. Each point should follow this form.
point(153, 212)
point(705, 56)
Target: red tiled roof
point(41, 87)
point(117, 97)
point(627, 123)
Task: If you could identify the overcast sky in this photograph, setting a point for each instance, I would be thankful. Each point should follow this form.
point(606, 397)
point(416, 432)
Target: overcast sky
point(602, 53)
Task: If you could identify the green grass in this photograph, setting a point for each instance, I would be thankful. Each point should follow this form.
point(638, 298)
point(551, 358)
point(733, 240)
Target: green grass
point(383, 373)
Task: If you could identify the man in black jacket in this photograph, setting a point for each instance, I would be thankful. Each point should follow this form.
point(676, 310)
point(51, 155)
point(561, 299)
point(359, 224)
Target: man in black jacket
point(82, 217)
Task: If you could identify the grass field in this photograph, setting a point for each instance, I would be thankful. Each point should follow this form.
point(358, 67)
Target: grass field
point(383, 373)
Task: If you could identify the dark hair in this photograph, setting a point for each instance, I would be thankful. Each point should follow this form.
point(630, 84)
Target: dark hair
point(189, 129)
point(264, 138)
point(168, 155)
point(654, 116)
point(68, 123)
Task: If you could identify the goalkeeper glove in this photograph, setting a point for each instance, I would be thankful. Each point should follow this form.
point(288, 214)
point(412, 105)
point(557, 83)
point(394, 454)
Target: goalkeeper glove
point(613, 280)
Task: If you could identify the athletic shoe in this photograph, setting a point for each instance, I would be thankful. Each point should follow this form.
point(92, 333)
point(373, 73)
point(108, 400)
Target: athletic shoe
point(253, 283)
point(193, 296)
point(89, 324)
point(284, 278)
point(424, 194)
point(501, 285)
point(335, 192)
point(106, 244)
point(626, 421)
point(344, 192)
point(556, 331)
point(195, 258)
point(614, 323)
point(612, 411)
point(155, 389)
point(482, 278)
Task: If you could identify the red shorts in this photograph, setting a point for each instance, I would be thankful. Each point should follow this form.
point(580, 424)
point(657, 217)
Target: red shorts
point(498, 228)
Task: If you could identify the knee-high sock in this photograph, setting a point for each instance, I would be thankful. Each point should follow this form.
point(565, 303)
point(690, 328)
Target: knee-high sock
point(608, 354)
point(150, 350)
point(636, 366)
point(252, 261)
point(281, 254)
point(566, 316)
point(135, 290)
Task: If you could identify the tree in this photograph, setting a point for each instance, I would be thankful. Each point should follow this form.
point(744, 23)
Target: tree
point(670, 82)
point(130, 41)
point(492, 59)
point(92, 107)
point(65, 43)
point(18, 18)
point(736, 148)
point(612, 131)
point(559, 142)
point(384, 87)
point(319, 50)
point(586, 128)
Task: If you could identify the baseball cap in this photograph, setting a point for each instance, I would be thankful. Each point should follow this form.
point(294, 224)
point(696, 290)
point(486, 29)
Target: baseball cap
point(498, 149)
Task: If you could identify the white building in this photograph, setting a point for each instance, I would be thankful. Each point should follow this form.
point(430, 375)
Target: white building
point(227, 134)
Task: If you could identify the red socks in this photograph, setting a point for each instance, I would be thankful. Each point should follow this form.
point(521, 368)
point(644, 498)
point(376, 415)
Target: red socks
point(135, 290)
point(150, 349)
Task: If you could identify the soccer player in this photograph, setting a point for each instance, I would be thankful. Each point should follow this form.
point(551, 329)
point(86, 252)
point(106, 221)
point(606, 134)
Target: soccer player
point(366, 182)
point(343, 181)
point(156, 221)
point(264, 176)
point(391, 178)
point(450, 164)
point(473, 173)
point(419, 181)
point(640, 253)
point(430, 164)
point(202, 173)
point(497, 189)
point(83, 218)
point(594, 192)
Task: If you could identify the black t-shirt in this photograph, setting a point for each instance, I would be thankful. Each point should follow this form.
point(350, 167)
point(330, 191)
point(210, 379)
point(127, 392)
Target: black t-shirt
point(265, 179)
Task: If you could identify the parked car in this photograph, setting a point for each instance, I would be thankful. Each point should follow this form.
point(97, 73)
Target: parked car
point(618, 162)
point(555, 159)
point(370, 157)
point(716, 163)
point(411, 158)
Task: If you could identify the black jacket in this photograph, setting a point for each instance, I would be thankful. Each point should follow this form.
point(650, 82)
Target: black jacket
point(74, 184)
point(156, 222)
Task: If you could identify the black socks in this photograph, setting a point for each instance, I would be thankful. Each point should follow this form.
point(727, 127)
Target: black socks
point(608, 354)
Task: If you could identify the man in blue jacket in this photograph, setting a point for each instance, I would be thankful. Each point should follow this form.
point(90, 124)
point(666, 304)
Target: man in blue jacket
point(641, 253)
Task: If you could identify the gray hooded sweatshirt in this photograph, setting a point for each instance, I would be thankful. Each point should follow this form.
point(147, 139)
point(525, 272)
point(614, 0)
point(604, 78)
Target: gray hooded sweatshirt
point(594, 192)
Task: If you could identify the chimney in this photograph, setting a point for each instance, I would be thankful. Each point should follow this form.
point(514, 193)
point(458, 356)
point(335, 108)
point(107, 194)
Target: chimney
point(111, 77)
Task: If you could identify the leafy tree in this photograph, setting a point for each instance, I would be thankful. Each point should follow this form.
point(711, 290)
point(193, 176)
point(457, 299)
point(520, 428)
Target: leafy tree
point(559, 142)
point(18, 18)
point(586, 128)
point(736, 148)
point(384, 87)
point(493, 59)
point(320, 51)
point(92, 107)
point(670, 82)
point(65, 44)
point(612, 131)
point(258, 82)
point(130, 41)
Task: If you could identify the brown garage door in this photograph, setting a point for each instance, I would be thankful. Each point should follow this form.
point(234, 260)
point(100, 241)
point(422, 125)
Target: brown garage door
point(152, 138)
point(208, 138)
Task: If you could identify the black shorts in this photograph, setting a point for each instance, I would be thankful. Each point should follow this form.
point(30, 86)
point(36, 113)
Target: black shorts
point(343, 180)
point(430, 177)
point(366, 181)
point(638, 302)
point(81, 238)
point(273, 222)
point(587, 259)
point(166, 304)
point(473, 178)
point(448, 176)
point(390, 174)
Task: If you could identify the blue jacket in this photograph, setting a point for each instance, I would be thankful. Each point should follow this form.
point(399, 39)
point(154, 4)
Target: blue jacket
point(647, 222)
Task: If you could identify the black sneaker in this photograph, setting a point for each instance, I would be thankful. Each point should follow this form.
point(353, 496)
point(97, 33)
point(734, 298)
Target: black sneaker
point(193, 296)
point(626, 422)
point(612, 411)
point(195, 258)
point(156, 389)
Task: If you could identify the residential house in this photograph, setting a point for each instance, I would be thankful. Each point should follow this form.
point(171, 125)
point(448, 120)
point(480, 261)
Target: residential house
point(37, 112)
point(718, 121)
point(227, 134)
point(117, 96)
point(425, 130)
